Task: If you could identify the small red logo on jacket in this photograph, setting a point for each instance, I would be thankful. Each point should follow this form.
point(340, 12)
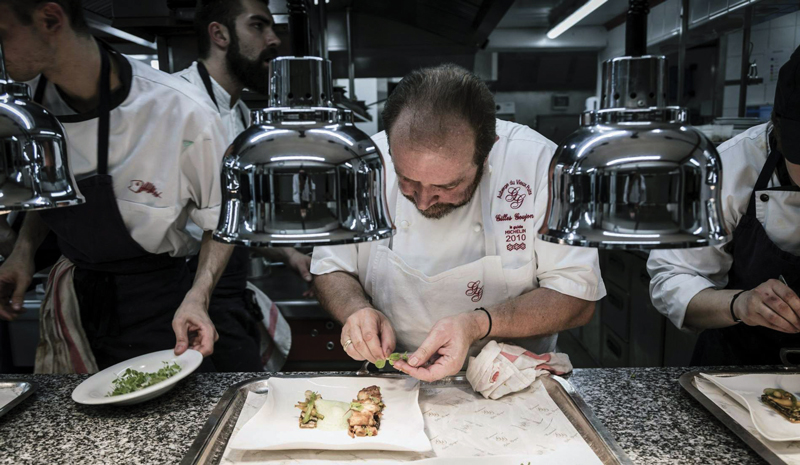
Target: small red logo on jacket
point(474, 291)
point(138, 186)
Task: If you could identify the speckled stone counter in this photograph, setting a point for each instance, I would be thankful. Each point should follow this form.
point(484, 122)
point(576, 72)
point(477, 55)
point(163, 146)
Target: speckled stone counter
point(645, 409)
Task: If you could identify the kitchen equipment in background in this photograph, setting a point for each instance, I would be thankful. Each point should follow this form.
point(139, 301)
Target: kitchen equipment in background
point(34, 169)
point(302, 174)
point(635, 175)
point(559, 102)
point(506, 111)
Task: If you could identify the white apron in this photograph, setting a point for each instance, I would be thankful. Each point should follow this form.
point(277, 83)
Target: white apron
point(414, 302)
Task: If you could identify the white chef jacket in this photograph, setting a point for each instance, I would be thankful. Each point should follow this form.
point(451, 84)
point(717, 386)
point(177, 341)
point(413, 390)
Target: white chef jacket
point(518, 167)
point(236, 119)
point(680, 274)
point(165, 151)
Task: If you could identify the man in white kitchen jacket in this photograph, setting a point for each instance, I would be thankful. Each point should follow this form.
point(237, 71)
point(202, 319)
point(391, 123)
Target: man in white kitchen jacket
point(235, 42)
point(468, 194)
point(743, 294)
point(145, 150)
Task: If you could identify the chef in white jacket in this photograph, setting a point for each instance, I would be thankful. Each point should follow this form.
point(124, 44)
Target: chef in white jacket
point(743, 293)
point(467, 193)
point(235, 42)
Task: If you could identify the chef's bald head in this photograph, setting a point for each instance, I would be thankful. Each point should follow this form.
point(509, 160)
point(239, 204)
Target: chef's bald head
point(433, 105)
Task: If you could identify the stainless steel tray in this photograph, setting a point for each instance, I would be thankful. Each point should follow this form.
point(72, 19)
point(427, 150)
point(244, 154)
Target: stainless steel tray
point(687, 382)
point(211, 442)
point(21, 388)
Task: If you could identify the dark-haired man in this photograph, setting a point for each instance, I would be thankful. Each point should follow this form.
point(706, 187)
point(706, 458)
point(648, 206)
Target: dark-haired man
point(744, 294)
point(145, 150)
point(465, 265)
point(235, 43)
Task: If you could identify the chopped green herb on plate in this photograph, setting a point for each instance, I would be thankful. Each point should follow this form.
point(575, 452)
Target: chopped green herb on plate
point(132, 380)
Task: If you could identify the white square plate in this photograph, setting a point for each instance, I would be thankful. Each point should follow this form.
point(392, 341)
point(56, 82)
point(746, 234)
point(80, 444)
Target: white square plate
point(275, 426)
point(747, 390)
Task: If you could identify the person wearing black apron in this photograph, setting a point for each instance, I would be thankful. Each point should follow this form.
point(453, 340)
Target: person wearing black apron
point(128, 272)
point(744, 294)
point(756, 260)
point(233, 308)
point(232, 58)
point(127, 296)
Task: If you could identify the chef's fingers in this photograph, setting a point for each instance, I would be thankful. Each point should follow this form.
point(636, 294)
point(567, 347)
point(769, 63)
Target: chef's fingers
point(765, 316)
point(6, 313)
point(181, 328)
point(388, 341)
point(787, 295)
point(780, 307)
point(358, 334)
point(203, 338)
point(444, 366)
point(430, 346)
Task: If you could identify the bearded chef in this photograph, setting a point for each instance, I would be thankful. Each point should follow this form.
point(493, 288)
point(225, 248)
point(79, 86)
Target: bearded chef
point(743, 294)
point(468, 193)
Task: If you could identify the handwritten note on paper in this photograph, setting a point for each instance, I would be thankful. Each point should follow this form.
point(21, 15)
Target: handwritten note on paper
point(789, 452)
point(459, 423)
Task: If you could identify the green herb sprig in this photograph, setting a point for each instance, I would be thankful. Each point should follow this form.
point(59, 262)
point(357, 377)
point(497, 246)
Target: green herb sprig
point(380, 363)
point(132, 380)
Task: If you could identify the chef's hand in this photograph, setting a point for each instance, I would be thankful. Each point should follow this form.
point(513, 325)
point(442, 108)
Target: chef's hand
point(300, 263)
point(368, 335)
point(193, 327)
point(16, 275)
point(450, 340)
point(772, 304)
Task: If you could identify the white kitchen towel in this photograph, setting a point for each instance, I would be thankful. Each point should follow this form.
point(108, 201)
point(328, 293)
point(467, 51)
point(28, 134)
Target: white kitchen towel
point(63, 346)
point(276, 336)
point(501, 369)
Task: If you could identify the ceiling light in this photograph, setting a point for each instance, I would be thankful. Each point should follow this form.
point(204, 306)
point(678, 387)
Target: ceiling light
point(575, 18)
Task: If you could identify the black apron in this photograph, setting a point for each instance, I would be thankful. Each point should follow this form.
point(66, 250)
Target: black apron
point(127, 295)
point(756, 259)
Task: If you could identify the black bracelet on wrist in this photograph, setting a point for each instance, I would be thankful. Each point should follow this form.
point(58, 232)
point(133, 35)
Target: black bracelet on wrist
point(733, 315)
point(490, 322)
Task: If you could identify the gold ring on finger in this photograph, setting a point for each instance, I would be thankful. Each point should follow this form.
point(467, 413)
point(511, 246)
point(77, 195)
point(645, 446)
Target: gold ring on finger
point(347, 343)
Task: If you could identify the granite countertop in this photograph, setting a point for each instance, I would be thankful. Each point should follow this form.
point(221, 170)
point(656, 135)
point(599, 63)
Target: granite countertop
point(645, 409)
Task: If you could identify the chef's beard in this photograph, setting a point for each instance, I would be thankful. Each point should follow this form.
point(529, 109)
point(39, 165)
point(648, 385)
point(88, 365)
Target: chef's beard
point(252, 74)
point(440, 210)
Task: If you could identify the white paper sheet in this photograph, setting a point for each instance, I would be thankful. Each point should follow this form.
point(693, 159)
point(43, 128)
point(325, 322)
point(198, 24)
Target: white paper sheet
point(527, 426)
point(789, 452)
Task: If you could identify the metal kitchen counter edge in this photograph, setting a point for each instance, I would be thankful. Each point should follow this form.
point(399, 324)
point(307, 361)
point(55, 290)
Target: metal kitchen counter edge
point(652, 419)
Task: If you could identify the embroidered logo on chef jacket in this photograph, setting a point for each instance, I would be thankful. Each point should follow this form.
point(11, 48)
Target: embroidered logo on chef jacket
point(138, 187)
point(516, 236)
point(515, 192)
point(474, 291)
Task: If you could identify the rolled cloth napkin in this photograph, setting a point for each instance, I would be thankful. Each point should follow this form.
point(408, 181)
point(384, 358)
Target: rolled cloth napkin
point(501, 369)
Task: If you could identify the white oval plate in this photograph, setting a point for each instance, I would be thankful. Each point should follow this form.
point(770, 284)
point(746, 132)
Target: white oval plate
point(93, 390)
point(747, 390)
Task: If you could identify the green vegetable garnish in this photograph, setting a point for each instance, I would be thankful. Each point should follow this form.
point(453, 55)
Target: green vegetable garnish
point(309, 407)
point(132, 380)
point(380, 363)
point(356, 406)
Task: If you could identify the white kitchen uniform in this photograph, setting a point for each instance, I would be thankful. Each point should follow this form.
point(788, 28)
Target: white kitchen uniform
point(234, 119)
point(481, 254)
point(678, 275)
point(165, 147)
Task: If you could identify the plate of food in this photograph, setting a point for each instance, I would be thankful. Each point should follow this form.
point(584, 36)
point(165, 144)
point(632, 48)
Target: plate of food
point(138, 379)
point(337, 413)
point(771, 400)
